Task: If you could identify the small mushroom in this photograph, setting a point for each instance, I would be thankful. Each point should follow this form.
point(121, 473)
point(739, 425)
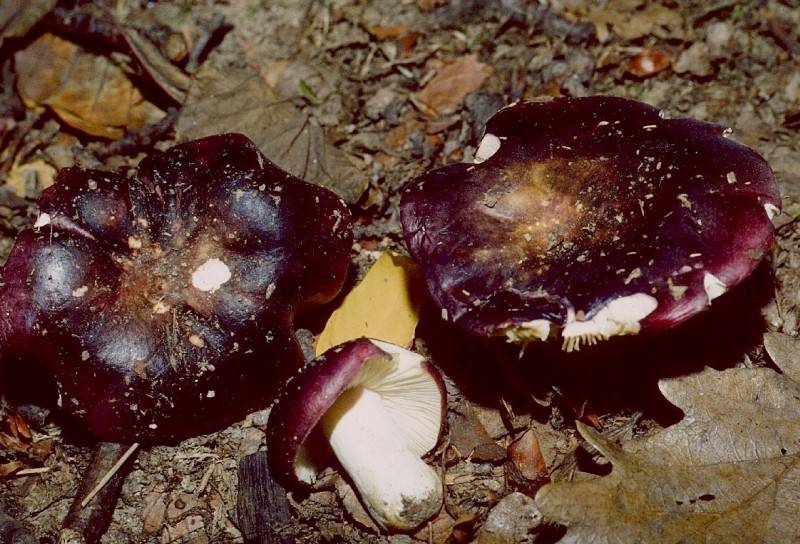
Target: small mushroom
point(379, 408)
point(163, 304)
point(592, 217)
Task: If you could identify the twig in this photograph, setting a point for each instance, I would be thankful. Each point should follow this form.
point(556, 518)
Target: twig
point(141, 140)
point(31, 471)
point(110, 474)
point(784, 37)
point(90, 513)
point(215, 28)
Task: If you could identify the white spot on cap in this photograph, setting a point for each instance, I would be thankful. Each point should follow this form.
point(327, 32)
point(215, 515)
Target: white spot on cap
point(714, 286)
point(153, 426)
point(210, 275)
point(134, 242)
point(80, 291)
point(489, 145)
point(731, 177)
point(771, 210)
point(211, 394)
point(42, 220)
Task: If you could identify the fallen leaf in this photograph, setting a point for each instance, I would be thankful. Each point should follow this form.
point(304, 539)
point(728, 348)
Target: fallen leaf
point(513, 519)
point(452, 83)
point(19, 427)
point(29, 179)
point(634, 19)
point(728, 472)
point(7, 469)
point(17, 17)
point(41, 449)
point(390, 32)
point(426, 6)
point(648, 63)
point(154, 511)
point(384, 306)
point(526, 455)
point(438, 530)
point(469, 437)
point(353, 505)
point(785, 352)
point(87, 91)
point(238, 100)
point(695, 60)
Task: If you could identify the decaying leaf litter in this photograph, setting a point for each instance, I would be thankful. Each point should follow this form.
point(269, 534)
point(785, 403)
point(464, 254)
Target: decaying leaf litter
point(361, 98)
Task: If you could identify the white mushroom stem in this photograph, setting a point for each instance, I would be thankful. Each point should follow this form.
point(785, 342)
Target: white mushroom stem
point(398, 488)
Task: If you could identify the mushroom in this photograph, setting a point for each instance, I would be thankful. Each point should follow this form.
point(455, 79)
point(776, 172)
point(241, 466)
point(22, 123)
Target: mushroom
point(595, 217)
point(163, 304)
point(379, 408)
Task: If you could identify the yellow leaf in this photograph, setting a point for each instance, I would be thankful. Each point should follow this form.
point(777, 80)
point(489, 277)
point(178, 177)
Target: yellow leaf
point(384, 306)
point(29, 179)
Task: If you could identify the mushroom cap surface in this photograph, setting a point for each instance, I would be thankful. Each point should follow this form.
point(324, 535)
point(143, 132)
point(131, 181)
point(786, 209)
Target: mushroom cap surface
point(164, 304)
point(589, 210)
point(314, 389)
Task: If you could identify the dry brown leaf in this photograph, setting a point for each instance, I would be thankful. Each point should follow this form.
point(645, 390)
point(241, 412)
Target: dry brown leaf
point(426, 6)
point(728, 472)
point(785, 352)
point(17, 17)
point(384, 306)
point(633, 19)
point(390, 32)
point(238, 100)
point(87, 91)
point(29, 179)
point(41, 449)
point(19, 427)
point(648, 63)
point(526, 454)
point(452, 83)
point(7, 469)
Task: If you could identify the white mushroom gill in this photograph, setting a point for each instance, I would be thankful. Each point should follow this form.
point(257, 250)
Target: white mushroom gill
point(210, 275)
point(379, 429)
point(619, 317)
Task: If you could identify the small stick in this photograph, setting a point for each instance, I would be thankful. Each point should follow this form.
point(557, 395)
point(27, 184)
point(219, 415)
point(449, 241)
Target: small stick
point(31, 471)
point(94, 504)
point(110, 474)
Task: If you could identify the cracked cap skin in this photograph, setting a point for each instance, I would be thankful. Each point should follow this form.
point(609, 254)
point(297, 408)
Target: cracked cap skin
point(580, 202)
point(163, 304)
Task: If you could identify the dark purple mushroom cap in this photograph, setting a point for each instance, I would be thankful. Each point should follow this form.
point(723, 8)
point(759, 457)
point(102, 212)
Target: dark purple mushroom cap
point(589, 210)
point(311, 392)
point(164, 304)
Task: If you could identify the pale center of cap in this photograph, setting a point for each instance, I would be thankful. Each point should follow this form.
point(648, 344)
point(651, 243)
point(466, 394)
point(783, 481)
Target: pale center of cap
point(210, 275)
